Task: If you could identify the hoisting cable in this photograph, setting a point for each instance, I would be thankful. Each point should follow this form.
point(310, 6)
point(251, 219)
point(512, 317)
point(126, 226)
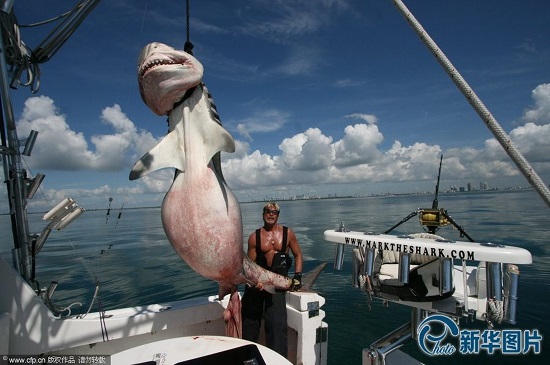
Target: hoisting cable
point(188, 45)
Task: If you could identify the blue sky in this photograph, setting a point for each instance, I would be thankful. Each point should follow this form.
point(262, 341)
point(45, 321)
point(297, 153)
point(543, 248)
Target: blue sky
point(321, 96)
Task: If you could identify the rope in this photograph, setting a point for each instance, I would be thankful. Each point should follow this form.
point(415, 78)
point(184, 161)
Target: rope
point(22, 59)
point(500, 135)
point(59, 311)
point(61, 33)
point(363, 281)
point(495, 311)
point(188, 45)
point(18, 55)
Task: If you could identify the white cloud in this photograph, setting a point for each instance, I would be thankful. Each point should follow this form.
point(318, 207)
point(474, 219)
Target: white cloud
point(57, 146)
point(293, 19)
point(310, 158)
point(369, 118)
point(359, 145)
point(264, 121)
point(347, 83)
point(301, 60)
point(158, 181)
point(60, 148)
point(291, 24)
point(255, 169)
point(308, 151)
point(540, 112)
point(533, 141)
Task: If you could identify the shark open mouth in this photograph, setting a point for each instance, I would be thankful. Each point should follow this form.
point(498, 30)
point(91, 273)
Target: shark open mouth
point(149, 65)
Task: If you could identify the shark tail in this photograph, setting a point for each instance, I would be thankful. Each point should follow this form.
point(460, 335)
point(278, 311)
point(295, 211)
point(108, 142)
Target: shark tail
point(269, 281)
point(309, 278)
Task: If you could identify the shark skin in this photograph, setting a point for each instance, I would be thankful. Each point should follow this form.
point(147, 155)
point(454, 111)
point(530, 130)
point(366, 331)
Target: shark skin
point(165, 74)
point(200, 214)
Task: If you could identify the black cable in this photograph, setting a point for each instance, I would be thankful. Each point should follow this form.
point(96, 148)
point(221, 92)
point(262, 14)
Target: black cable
point(188, 45)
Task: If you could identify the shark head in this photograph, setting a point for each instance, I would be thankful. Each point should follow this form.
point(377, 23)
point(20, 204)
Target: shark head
point(165, 74)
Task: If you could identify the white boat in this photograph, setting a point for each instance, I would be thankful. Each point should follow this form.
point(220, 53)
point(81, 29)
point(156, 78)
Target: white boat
point(429, 274)
point(439, 279)
point(37, 330)
point(433, 276)
point(176, 332)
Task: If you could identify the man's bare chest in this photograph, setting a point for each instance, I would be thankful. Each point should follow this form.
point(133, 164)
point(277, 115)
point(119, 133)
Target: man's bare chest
point(272, 240)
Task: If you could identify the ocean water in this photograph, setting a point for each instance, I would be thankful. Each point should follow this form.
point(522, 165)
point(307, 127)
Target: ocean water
point(135, 265)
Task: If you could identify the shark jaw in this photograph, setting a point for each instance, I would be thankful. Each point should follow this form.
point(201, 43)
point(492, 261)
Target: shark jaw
point(165, 74)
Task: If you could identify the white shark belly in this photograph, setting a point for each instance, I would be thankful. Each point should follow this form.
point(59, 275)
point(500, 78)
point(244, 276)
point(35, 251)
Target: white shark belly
point(202, 220)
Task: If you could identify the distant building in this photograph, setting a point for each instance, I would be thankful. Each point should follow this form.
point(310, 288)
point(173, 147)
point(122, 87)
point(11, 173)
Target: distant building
point(483, 185)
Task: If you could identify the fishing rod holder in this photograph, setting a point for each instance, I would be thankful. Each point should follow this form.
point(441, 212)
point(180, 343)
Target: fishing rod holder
point(502, 291)
point(60, 217)
point(339, 254)
point(34, 184)
point(6, 5)
point(511, 283)
point(445, 275)
point(494, 281)
point(384, 346)
point(404, 267)
point(370, 257)
point(29, 143)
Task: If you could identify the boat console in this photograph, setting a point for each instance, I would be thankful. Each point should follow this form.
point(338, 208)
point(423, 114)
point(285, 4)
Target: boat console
point(431, 275)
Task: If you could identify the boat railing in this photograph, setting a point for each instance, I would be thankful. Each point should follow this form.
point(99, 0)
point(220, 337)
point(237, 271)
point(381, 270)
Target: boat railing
point(431, 275)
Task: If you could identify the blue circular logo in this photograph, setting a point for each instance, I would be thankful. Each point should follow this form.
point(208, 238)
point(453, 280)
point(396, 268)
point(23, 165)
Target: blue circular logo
point(432, 331)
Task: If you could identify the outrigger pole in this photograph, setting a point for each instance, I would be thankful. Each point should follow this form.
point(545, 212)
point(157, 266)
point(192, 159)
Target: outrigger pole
point(14, 174)
point(499, 133)
point(19, 186)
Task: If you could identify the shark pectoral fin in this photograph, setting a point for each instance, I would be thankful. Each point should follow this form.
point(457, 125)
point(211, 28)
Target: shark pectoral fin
point(218, 139)
point(167, 153)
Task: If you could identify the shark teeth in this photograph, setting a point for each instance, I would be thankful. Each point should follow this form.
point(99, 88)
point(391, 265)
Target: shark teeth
point(161, 62)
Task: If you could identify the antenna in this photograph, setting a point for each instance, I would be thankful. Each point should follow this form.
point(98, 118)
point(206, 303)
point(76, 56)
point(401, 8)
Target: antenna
point(435, 202)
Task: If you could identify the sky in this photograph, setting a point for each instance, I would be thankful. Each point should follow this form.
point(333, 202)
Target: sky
point(322, 97)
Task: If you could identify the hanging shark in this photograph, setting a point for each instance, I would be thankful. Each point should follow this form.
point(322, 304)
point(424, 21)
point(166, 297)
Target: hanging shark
point(200, 214)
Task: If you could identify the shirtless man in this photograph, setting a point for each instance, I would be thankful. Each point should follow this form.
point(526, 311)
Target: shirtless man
point(269, 247)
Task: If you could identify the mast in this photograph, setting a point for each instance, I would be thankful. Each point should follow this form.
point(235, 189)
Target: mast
point(499, 133)
point(14, 173)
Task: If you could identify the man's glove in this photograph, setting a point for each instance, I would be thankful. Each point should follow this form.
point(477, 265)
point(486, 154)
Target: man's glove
point(296, 282)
